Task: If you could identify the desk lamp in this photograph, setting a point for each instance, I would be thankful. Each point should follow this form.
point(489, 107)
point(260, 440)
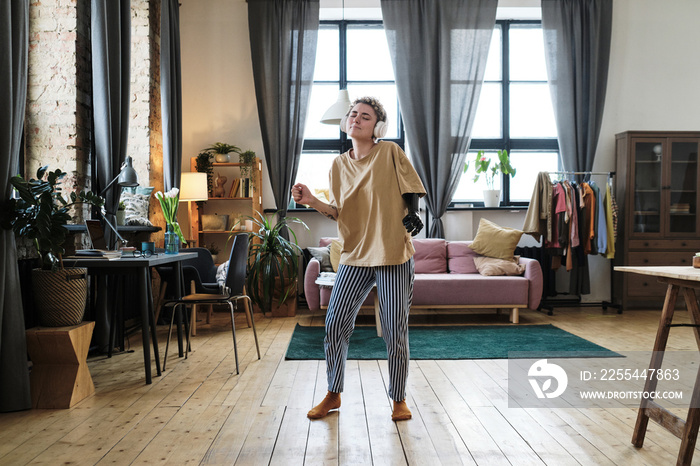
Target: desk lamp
point(128, 178)
point(193, 187)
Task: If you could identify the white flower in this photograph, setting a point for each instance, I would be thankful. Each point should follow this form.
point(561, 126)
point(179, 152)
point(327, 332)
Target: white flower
point(172, 193)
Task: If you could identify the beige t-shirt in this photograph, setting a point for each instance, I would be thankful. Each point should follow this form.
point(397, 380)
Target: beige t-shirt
point(367, 193)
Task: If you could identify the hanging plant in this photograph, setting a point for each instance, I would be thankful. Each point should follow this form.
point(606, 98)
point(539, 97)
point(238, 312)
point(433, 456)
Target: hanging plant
point(203, 164)
point(248, 161)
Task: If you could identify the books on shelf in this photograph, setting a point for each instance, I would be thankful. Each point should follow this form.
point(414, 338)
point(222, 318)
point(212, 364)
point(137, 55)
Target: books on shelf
point(240, 187)
point(245, 188)
point(235, 187)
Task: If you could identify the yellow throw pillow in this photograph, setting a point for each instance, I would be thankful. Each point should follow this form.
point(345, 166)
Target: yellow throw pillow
point(495, 241)
point(336, 249)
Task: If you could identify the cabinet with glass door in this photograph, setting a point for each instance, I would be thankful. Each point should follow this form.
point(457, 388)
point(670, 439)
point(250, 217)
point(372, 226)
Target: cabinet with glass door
point(658, 198)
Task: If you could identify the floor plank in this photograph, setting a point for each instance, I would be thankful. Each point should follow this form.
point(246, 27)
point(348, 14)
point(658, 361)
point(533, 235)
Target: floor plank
point(201, 412)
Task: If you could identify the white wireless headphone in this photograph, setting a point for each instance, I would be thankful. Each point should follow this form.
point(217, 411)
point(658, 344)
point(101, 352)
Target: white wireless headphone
point(380, 128)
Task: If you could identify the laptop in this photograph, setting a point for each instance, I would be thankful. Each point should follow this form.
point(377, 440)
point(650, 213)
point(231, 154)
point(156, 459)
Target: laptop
point(96, 234)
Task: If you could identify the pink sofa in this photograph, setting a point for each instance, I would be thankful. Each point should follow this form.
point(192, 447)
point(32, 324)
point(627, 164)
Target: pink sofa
point(446, 278)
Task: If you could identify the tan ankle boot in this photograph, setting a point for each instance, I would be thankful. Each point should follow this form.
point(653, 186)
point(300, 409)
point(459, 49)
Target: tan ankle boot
point(331, 401)
point(401, 411)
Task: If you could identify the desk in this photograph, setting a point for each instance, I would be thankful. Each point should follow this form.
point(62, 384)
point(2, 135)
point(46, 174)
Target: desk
point(678, 280)
point(139, 267)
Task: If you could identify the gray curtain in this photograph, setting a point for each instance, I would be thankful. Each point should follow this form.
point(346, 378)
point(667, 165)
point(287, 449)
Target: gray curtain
point(283, 36)
point(171, 92)
point(577, 51)
point(111, 74)
point(14, 374)
point(439, 51)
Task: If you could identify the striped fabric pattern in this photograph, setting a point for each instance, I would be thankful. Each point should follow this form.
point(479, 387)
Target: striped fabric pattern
point(395, 291)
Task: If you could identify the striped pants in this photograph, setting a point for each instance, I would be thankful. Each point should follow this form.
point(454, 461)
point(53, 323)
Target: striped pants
point(395, 292)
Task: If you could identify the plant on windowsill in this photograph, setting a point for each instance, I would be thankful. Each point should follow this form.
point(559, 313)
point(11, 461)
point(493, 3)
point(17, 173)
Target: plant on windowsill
point(482, 164)
point(40, 215)
point(121, 214)
point(273, 264)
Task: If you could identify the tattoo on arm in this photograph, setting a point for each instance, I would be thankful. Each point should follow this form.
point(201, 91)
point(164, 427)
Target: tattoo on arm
point(332, 213)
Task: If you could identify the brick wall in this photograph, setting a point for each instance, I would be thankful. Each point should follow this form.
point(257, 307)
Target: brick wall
point(58, 124)
point(52, 91)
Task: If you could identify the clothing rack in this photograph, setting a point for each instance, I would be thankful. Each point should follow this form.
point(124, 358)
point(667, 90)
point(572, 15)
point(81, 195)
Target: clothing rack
point(549, 305)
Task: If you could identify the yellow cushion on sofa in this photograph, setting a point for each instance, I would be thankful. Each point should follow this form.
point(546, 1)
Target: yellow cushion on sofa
point(495, 241)
point(336, 249)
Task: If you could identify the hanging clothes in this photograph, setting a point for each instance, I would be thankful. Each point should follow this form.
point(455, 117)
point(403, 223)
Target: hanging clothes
point(588, 232)
point(538, 220)
point(611, 218)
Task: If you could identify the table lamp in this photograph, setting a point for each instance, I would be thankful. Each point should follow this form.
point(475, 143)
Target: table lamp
point(193, 187)
point(128, 178)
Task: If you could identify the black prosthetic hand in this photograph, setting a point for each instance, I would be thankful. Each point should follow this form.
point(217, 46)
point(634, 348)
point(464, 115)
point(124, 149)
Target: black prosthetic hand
point(412, 221)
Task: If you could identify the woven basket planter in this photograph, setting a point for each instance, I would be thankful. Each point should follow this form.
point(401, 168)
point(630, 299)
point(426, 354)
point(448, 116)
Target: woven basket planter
point(60, 296)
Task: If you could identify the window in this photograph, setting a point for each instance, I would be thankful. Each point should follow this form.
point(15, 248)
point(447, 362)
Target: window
point(514, 113)
point(342, 62)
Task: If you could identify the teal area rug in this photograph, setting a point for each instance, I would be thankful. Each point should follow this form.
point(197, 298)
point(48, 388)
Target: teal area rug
point(456, 342)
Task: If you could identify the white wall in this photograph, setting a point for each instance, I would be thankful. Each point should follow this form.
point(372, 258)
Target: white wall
point(652, 84)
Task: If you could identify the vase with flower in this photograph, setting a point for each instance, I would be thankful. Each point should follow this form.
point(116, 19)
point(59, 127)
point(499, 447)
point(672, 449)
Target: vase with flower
point(173, 233)
point(483, 164)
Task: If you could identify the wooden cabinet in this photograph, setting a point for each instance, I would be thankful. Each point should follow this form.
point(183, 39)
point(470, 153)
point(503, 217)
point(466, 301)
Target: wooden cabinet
point(234, 204)
point(658, 197)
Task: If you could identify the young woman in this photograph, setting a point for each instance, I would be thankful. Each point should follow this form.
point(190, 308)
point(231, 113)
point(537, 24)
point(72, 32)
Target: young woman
point(374, 192)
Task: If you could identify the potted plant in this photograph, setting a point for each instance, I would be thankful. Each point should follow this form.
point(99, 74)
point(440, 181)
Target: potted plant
point(273, 264)
point(248, 160)
point(40, 215)
point(482, 164)
point(221, 151)
point(121, 214)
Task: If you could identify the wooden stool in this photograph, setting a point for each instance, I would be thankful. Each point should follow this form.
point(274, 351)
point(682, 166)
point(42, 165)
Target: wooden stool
point(60, 376)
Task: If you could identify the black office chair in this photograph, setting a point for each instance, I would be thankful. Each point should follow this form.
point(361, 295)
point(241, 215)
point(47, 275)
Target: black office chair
point(199, 275)
point(234, 285)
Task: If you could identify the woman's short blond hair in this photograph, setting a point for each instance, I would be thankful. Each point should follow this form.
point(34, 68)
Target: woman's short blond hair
point(375, 104)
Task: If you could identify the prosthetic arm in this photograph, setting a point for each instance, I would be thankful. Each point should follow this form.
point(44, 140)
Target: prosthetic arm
point(412, 221)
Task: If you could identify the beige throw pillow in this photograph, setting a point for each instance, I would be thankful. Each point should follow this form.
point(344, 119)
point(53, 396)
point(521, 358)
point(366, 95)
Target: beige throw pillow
point(495, 241)
point(491, 266)
point(336, 249)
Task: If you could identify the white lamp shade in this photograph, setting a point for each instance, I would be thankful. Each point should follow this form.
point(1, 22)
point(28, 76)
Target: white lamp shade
point(193, 186)
point(338, 110)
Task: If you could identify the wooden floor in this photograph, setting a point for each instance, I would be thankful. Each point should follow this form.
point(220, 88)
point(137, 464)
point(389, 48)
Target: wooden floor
point(200, 411)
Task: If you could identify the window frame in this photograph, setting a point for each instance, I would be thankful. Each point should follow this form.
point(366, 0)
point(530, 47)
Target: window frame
point(505, 141)
point(344, 144)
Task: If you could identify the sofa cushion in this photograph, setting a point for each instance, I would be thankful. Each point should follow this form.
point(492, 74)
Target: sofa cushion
point(336, 249)
point(491, 266)
point(446, 289)
point(495, 241)
point(460, 257)
point(323, 256)
point(430, 256)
